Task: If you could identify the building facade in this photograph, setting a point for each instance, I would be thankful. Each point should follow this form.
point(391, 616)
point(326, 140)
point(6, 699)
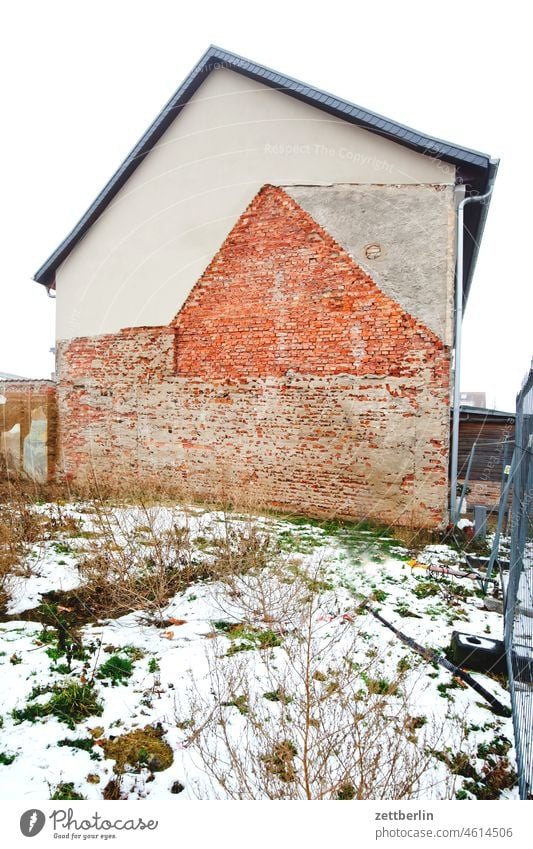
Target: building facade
point(259, 305)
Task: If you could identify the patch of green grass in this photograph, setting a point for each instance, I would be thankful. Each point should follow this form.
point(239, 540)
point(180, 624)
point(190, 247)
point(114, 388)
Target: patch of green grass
point(223, 625)
point(496, 774)
point(62, 548)
point(378, 686)
point(278, 695)
point(247, 637)
point(403, 664)
point(356, 538)
point(47, 636)
point(54, 653)
point(403, 610)
point(240, 702)
point(318, 586)
point(202, 543)
point(426, 589)
point(65, 792)
point(500, 745)
point(444, 689)
point(117, 670)
point(6, 759)
point(434, 611)
point(298, 542)
point(379, 595)
point(70, 704)
point(84, 743)
point(153, 665)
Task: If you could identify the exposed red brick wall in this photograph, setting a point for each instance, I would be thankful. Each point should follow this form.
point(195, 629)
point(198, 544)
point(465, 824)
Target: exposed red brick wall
point(288, 378)
point(282, 294)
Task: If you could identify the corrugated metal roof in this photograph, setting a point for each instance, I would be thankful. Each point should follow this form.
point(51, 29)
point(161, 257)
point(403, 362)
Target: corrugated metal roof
point(4, 375)
point(474, 168)
point(485, 412)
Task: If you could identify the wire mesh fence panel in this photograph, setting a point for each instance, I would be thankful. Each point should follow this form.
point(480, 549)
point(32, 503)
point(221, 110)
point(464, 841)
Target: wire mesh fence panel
point(518, 631)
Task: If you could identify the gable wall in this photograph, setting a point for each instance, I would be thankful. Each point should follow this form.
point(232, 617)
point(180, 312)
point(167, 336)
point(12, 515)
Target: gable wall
point(139, 261)
point(289, 379)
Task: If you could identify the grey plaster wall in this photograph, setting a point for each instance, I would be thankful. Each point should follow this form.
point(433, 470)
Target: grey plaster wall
point(414, 228)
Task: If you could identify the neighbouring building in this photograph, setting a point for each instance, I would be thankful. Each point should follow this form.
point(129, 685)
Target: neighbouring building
point(473, 399)
point(259, 304)
point(486, 444)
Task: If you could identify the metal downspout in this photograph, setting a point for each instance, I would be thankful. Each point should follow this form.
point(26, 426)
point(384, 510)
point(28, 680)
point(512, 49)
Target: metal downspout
point(459, 287)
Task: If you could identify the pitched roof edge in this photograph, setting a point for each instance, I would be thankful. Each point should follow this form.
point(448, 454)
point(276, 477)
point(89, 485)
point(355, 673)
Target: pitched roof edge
point(475, 163)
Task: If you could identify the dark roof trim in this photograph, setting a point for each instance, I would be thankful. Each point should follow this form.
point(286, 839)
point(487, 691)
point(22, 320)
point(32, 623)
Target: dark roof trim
point(474, 167)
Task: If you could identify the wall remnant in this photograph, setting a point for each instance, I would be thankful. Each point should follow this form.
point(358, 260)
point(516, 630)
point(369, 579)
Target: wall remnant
point(28, 429)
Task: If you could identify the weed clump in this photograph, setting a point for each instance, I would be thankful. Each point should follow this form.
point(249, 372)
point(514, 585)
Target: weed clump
point(488, 781)
point(247, 637)
point(278, 695)
point(379, 686)
point(280, 761)
point(346, 792)
point(240, 702)
point(65, 792)
point(70, 704)
point(117, 670)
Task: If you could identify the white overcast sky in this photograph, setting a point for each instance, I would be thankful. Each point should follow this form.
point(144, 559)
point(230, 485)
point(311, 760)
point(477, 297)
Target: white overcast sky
point(82, 81)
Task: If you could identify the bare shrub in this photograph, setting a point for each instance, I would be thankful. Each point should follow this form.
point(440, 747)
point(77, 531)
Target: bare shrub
point(316, 718)
point(26, 524)
point(137, 559)
point(20, 528)
point(256, 582)
point(58, 519)
point(242, 548)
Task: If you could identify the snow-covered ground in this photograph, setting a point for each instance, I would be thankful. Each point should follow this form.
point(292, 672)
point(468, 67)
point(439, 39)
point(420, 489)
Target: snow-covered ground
point(178, 667)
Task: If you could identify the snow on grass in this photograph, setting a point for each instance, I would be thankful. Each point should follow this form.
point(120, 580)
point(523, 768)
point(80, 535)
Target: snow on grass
point(49, 571)
point(168, 658)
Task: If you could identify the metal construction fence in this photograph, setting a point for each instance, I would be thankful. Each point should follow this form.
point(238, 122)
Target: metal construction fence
point(518, 624)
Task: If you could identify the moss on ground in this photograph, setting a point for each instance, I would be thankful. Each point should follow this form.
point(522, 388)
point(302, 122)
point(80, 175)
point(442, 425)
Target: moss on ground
point(142, 748)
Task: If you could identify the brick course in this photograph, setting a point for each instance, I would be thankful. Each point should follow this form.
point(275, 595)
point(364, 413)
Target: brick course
point(288, 378)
